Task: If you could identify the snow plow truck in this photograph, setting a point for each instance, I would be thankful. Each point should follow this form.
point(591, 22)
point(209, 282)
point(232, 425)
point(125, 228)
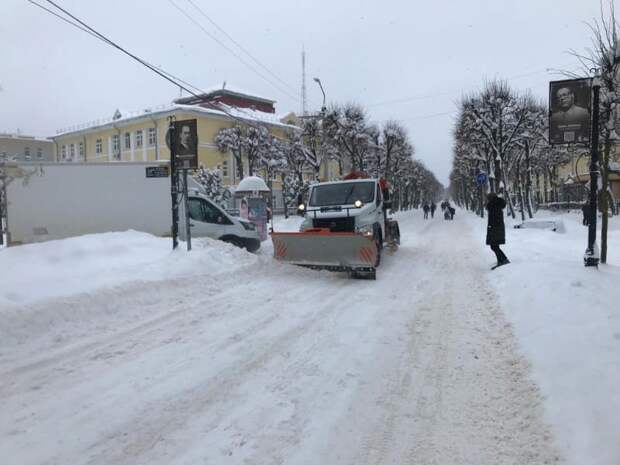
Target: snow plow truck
point(345, 228)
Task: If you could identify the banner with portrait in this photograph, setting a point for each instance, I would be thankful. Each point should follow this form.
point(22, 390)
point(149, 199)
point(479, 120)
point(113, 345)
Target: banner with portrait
point(186, 144)
point(570, 111)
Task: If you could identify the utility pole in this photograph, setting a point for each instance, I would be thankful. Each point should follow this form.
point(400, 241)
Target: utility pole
point(188, 231)
point(304, 105)
point(591, 256)
point(2, 201)
point(174, 184)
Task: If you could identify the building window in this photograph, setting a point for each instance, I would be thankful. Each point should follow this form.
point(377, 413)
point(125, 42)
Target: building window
point(152, 136)
point(127, 141)
point(139, 138)
point(225, 169)
point(63, 152)
point(99, 146)
point(39, 153)
point(27, 153)
point(116, 146)
point(81, 149)
point(72, 152)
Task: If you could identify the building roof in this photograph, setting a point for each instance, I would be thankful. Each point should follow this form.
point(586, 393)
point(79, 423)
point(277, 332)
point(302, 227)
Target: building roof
point(219, 110)
point(210, 94)
point(23, 137)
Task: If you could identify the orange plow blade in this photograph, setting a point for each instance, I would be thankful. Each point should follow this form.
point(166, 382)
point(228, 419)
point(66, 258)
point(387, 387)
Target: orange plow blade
point(322, 249)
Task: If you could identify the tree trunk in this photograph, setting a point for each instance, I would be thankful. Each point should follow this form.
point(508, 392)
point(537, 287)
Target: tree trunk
point(520, 187)
point(538, 196)
point(239, 162)
point(284, 202)
point(511, 208)
point(528, 180)
point(604, 198)
point(250, 165)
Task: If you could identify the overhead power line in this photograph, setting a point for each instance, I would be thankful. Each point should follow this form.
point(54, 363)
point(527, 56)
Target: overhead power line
point(231, 51)
point(99, 37)
point(169, 77)
point(242, 48)
point(453, 92)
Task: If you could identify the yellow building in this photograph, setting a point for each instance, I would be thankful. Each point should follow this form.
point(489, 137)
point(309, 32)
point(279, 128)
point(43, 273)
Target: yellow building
point(141, 136)
point(574, 176)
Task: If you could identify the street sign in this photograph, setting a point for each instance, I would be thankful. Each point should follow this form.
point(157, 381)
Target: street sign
point(157, 171)
point(481, 179)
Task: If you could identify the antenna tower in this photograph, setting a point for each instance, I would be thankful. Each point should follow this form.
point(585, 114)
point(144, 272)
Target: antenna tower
point(304, 106)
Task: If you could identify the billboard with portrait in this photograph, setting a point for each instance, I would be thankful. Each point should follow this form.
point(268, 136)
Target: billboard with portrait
point(186, 144)
point(570, 111)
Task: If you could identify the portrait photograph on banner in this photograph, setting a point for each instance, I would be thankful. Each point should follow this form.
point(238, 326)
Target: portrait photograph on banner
point(186, 144)
point(569, 111)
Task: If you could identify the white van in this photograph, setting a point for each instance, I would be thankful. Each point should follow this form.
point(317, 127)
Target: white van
point(207, 219)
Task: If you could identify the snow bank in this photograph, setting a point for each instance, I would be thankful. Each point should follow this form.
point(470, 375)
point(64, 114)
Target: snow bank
point(567, 319)
point(87, 263)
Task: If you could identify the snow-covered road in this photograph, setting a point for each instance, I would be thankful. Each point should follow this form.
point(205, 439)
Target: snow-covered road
point(270, 364)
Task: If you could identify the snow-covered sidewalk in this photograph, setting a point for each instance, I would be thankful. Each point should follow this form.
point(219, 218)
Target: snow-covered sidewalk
point(567, 320)
point(223, 357)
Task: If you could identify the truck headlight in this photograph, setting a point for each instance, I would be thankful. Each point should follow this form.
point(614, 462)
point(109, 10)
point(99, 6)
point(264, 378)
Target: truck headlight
point(358, 204)
point(366, 230)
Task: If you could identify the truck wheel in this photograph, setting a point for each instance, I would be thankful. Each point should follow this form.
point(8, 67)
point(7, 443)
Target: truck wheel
point(368, 275)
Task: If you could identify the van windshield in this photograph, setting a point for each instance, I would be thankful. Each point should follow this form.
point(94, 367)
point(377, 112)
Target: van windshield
point(342, 194)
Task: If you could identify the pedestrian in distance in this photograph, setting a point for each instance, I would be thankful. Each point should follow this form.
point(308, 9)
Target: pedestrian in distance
point(585, 209)
point(496, 232)
point(433, 208)
point(452, 212)
point(445, 207)
point(426, 208)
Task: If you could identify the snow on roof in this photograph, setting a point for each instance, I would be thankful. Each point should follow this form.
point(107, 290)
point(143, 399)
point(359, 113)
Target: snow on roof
point(209, 94)
point(23, 137)
point(221, 110)
point(251, 184)
point(236, 90)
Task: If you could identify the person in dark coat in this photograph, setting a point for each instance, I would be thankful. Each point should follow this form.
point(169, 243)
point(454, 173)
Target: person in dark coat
point(452, 212)
point(433, 208)
point(426, 208)
point(496, 232)
point(585, 209)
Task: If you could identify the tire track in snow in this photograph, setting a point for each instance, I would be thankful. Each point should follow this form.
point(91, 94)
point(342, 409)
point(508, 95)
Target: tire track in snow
point(473, 401)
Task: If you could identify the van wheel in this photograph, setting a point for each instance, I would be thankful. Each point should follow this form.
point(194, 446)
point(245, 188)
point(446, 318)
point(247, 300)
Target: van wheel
point(234, 241)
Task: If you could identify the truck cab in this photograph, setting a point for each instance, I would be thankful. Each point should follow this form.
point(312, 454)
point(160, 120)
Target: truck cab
point(355, 205)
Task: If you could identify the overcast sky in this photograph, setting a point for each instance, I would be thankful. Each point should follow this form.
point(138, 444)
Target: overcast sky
point(407, 60)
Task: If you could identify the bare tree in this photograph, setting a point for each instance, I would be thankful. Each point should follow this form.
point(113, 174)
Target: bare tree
point(604, 57)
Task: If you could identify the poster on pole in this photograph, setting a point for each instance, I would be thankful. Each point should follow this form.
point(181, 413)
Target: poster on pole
point(186, 144)
point(570, 111)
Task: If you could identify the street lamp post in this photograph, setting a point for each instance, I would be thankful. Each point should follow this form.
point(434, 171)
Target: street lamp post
point(591, 256)
point(318, 81)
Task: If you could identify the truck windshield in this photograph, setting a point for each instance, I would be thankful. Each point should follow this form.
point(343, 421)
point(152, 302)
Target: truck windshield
point(342, 194)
